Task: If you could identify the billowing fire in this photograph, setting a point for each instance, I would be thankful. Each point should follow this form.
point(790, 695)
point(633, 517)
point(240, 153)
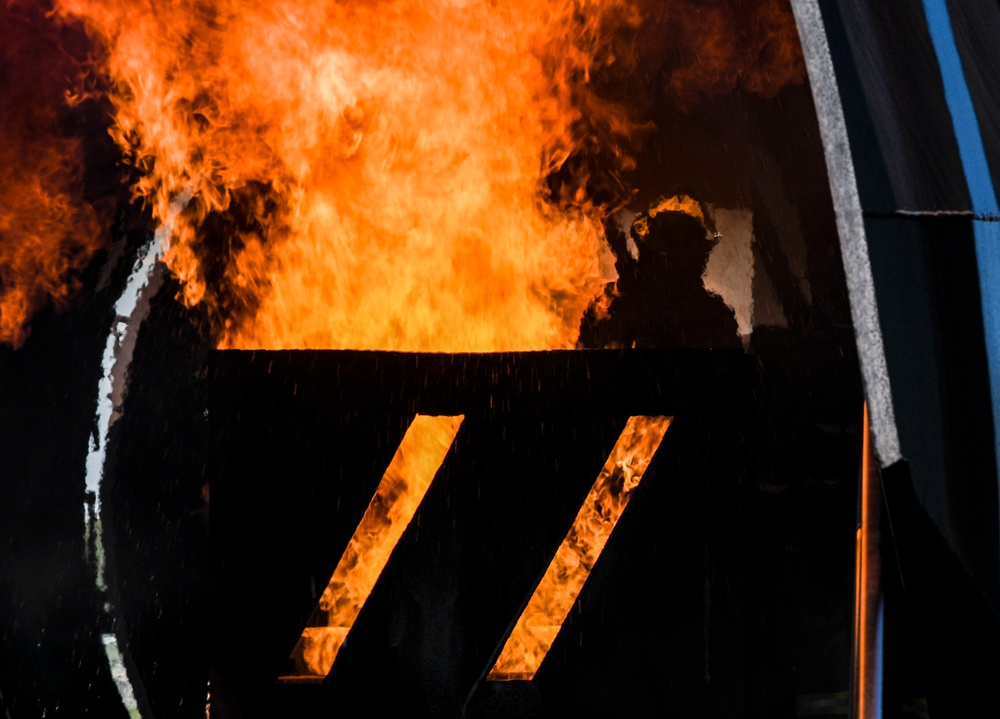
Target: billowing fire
point(383, 165)
point(383, 174)
point(566, 574)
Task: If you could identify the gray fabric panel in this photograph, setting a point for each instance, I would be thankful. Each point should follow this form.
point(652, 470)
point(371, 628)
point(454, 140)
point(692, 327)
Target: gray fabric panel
point(902, 84)
point(850, 227)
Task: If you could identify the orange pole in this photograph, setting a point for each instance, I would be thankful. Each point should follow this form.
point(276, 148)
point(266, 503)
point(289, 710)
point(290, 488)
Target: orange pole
point(866, 690)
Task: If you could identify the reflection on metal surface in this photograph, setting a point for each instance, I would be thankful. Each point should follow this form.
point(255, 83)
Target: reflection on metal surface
point(549, 606)
point(400, 492)
point(120, 675)
point(867, 667)
point(131, 310)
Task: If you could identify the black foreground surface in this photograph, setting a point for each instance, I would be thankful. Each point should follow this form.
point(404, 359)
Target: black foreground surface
point(300, 441)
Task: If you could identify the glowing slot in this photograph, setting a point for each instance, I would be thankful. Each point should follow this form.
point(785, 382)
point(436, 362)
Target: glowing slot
point(549, 606)
point(400, 492)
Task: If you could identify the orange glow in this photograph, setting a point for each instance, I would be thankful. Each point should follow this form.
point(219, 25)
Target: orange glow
point(720, 46)
point(677, 203)
point(385, 162)
point(863, 539)
point(45, 237)
point(867, 587)
point(552, 600)
point(400, 492)
point(48, 233)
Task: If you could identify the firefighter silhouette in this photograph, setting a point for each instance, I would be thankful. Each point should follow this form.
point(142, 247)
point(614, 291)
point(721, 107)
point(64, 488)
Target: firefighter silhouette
point(661, 300)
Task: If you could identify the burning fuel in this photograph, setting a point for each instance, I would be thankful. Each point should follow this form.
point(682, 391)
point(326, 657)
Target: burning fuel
point(566, 574)
point(403, 486)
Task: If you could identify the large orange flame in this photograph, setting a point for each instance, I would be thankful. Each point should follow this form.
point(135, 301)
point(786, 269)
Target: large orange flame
point(394, 174)
point(383, 162)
